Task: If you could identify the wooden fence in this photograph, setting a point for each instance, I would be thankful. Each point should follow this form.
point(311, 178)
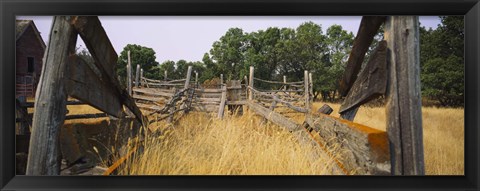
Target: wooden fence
point(392, 70)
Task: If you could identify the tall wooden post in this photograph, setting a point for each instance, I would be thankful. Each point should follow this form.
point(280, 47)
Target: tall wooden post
point(310, 86)
point(141, 76)
point(284, 82)
point(196, 79)
point(307, 99)
point(137, 76)
point(165, 73)
point(129, 75)
point(221, 79)
point(51, 99)
point(403, 108)
point(250, 83)
point(189, 74)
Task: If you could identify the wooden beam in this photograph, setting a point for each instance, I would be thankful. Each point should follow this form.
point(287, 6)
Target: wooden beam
point(364, 150)
point(189, 74)
point(141, 76)
point(137, 76)
point(310, 87)
point(403, 108)
point(221, 107)
point(285, 82)
point(250, 83)
point(51, 97)
point(83, 84)
point(129, 75)
point(368, 29)
point(370, 84)
point(274, 116)
point(95, 38)
point(306, 85)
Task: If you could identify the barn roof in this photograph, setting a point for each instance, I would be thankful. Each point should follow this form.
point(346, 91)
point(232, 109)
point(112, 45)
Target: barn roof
point(22, 25)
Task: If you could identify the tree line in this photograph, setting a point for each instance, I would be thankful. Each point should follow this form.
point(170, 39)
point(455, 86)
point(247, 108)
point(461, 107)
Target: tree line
point(276, 52)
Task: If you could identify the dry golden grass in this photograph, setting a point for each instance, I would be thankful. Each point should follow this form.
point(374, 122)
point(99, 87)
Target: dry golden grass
point(204, 145)
point(443, 135)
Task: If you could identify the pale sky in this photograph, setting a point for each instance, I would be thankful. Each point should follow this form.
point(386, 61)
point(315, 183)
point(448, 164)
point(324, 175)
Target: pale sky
point(189, 37)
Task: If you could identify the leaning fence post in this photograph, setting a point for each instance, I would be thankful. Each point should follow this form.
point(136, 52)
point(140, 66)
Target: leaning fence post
point(307, 99)
point(129, 75)
point(137, 76)
point(250, 83)
point(403, 108)
point(50, 101)
point(187, 80)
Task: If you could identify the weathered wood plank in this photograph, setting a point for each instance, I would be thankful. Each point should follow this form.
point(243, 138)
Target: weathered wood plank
point(364, 150)
point(149, 107)
point(137, 76)
point(187, 79)
point(274, 117)
point(250, 84)
point(95, 38)
point(153, 92)
point(221, 106)
point(371, 82)
point(306, 93)
point(325, 109)
point(83, 84)
point(129, 75)
point(367, 30)
point(149, 98)
point(51, 97)
point(403, 108)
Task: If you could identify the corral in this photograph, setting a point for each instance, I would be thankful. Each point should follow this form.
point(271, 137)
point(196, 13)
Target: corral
point(392, 70)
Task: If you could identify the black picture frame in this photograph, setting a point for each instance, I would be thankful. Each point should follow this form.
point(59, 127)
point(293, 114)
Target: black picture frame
point(9, 9)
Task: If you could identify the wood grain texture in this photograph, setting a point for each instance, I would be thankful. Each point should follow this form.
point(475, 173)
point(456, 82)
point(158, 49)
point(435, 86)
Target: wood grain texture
point(221, 106)
point(364, 149)
point(372, 81)
point(403, 107)
point(50, 105)
point(369, 26)
point(83, 84)
point(95, 38)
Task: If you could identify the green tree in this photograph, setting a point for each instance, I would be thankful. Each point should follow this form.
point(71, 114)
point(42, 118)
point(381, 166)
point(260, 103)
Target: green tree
point(442, 61)
point(227, 53)
point(139, 55)
point(339, 43)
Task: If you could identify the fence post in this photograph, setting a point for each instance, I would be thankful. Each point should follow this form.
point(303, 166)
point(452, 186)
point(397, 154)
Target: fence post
point(189, 74)
point(285, 82)
point(307, 99)
point(137, 76)
point(141, 76)
point(165, 73)
point(129, 75)
point(221, 79)
point(50, 101)
point(403, 107)
point(196, 79)
point(310, 87)
point(250, 83)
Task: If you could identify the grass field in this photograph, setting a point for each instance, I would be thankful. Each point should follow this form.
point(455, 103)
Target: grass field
point(201, 144)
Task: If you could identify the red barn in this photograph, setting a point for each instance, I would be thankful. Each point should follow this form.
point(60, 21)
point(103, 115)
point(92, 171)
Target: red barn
point(29, 54)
